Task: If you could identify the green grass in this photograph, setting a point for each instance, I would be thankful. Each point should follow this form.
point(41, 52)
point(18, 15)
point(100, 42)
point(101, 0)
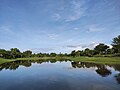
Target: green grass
point(36, 58)
point(102, 60)
point(33, 58)
point(5, 60)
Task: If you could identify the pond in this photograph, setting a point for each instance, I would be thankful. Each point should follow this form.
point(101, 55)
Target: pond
point(58, 75)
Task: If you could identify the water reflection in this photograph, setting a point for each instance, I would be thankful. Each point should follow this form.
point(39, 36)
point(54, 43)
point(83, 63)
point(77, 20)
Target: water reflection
point(101, 69)
point(118, 78)
point(27, 63)
point(60, 75)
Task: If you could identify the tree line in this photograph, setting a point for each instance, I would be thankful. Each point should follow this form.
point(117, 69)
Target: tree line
point(16, 53)
point(99, 50)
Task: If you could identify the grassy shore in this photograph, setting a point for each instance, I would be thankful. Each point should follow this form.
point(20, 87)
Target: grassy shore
point(102, 60)
point(5, 60)
point(32, 58)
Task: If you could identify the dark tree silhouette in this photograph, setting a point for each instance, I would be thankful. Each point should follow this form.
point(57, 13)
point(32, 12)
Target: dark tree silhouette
point(101, 48)
point(116, 44)
point(27, 53)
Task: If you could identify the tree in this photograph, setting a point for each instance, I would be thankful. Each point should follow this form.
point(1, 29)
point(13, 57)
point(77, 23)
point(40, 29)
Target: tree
point(88, 52)
point(116, 44)
point(27, 53)
point(8, 55)
point(53, 54)
point(101, 48)
point(110, 51)
point(82, 53)
point(15, 53)
point(73, 53)
point(5, 54)
point(61, 54)
point(2, 53)
point(77, 53)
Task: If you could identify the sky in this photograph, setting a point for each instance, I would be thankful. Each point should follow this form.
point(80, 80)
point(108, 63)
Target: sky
point(58, 25)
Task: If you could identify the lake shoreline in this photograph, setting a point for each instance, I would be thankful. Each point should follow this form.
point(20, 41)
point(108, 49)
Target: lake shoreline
point(102, 60)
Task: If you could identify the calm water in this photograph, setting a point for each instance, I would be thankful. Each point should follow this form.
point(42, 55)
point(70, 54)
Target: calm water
point(58, 75)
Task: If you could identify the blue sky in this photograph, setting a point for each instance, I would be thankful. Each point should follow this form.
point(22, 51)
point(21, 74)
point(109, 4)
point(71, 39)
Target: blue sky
point(58, 25)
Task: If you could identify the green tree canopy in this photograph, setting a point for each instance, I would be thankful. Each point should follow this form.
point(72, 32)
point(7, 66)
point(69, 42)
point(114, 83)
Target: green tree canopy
point(2, 52)
point(73, 53)
point(101, 48)
point(116, 44)
point(88, 52)
point(27, 53)
point(15, 52)
point(53, 54)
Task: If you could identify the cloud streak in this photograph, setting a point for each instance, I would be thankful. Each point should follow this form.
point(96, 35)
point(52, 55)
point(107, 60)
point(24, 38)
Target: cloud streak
point(53, 36)
point(95, 28)
point(6, 29)
point(75, 11)
point(82, 46)
point(38, 50)
point(57, 16)
point(58, 25)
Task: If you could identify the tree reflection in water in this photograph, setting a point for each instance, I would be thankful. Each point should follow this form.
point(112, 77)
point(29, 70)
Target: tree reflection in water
point(103, 71)
point(27, 63)
point(118, 78)
point(100, 69)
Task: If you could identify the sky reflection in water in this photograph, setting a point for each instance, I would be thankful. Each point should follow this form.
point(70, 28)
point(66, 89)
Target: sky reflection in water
point(60, 75)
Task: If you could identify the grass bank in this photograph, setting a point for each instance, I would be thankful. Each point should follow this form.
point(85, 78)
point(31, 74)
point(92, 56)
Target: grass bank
point(5, 60)
point(102, 60)
point(32, 58)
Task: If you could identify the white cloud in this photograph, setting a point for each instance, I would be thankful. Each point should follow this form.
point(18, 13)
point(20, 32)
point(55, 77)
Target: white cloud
point(109, 45)
point(43, 50)
point(66, 48)
point(95, 28)
point(70, 11)
point(76, 28)
point(52, 36)
point(56, 16)
point(82, 46)
point(77, 11)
